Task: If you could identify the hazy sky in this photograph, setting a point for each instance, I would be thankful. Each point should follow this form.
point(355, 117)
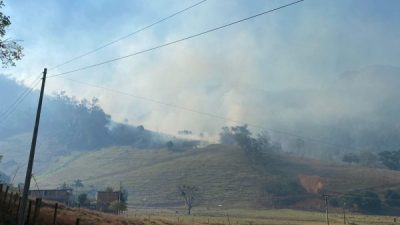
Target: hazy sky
point(240, 72)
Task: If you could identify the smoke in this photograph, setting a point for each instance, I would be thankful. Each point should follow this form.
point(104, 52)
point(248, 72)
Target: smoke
point(280, 71)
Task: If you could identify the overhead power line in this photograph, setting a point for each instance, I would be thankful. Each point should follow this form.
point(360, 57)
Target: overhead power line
point(176, 41)
point(128, 35)
point(24, 94)
point(6, 113)
point(209, 114)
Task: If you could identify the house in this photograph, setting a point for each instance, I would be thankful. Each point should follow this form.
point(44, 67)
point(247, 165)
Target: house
point(105, 198)
point(58, 195)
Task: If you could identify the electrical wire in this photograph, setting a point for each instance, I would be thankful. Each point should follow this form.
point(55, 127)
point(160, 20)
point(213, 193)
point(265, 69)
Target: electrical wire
point(19, 97)
point(174, 42)
point(128, 35)
point(18, 101)
point(24, 94)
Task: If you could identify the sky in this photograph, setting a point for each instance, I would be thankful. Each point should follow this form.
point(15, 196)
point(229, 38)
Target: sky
point(260, 72)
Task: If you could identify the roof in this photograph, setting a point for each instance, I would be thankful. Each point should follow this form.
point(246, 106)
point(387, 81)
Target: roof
point(67, 189)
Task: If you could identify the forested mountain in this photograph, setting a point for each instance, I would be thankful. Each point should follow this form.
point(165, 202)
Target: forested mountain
point(75, 124)
point(68, 126)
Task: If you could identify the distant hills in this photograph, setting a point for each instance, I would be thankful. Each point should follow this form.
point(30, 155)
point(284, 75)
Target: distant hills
point(356, 111)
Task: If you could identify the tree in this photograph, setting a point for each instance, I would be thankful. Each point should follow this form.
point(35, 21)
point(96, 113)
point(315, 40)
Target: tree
point(256, 149)
point(123, 195)
point(370, 202)
point(170, 145)
point(123, 198)
point(392, 198)
point(390, 159)
point(64, 186)
point(368, 158)
point(78, 183)
point(350, 158)
point(109, 189)
point(10, 50)
point(366, 201)
point(117, 206)
point(82, 199)
point(189, 194)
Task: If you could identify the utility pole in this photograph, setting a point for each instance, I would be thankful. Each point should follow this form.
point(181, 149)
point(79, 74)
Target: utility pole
point(326, 207)
point(24, 200)
point(344, 213)
point(119, 196)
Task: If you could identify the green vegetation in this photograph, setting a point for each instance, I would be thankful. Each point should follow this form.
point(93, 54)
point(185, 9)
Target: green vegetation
point(366, 201)
point(82, 199)
point(11, 51)
point(390, 159)
point(284, 186)
point(392, 198)
point(351, 158)
point(117, 206)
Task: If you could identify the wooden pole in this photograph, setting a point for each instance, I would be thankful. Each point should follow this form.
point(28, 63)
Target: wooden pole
point(77, 221)
point(29, 212)
point(55, 214)
point(1, 190)
point(28, 175)
point(326, 208)
point(344, 213)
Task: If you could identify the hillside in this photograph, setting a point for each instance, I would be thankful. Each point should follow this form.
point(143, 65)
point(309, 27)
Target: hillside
point(68, 126)
point(221, 172)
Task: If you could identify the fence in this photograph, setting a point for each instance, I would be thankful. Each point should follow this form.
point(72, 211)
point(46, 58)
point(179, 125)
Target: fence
point(10, 206)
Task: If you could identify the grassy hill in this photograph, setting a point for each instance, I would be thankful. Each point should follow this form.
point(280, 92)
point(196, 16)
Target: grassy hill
point(222, 173)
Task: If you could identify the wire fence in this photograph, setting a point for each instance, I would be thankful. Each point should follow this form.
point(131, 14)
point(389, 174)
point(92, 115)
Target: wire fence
point(10, 207)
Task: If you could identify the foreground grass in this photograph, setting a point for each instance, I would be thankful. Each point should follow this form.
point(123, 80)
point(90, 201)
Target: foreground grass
point(255, 217)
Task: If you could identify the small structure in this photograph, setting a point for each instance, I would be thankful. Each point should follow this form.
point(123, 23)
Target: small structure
point(58, 195)
point(105, 198)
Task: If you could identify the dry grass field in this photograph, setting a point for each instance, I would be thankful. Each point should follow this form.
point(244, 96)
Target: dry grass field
point(67, 216)
point(257, 217)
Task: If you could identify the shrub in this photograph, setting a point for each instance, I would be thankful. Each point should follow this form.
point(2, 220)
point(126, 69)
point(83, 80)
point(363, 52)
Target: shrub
point(392, 198)
point(284, 186)
point(366, 201)
point(285, 190)
point(335, 202)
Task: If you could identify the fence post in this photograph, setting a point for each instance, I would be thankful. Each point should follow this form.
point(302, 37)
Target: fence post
point(18, 207)
point(14, 203)
point(29, 212)
point(5, 194)
point(9, 201)
point(77, 221)
point(37, 210)
point(55, 214)
point(1, 191)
